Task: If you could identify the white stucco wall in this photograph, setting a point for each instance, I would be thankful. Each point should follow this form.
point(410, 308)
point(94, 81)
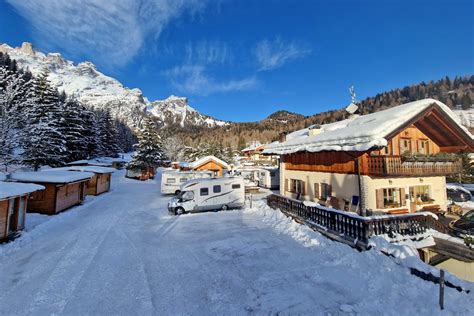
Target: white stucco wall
point(437, 189)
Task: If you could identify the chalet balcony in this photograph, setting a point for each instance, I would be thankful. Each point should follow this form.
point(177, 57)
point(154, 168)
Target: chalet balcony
point(413, 166)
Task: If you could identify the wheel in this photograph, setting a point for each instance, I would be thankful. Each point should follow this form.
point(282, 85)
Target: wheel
point(179, 211)
point(225, 207)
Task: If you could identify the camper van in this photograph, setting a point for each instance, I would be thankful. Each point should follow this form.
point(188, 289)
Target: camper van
point(269, 178)
point(209, 194)
point(172, 180)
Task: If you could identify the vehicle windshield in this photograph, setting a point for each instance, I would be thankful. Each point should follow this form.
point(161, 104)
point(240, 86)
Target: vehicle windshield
point(469, 216)
point(185, 195)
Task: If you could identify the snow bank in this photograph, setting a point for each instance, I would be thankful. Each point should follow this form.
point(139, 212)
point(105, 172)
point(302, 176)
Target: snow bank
point(93, 169)
point(400, 250)
point(53, 176)
point(10, 189)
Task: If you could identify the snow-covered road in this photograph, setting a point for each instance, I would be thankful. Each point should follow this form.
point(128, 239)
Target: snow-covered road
point(121, 253)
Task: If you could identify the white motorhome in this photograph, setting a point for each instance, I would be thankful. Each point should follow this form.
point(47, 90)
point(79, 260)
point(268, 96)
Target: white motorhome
point(172, 180)
point(209, 194)
point(269, 178)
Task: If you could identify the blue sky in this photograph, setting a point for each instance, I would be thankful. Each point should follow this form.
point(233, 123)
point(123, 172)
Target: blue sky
point(242, 60)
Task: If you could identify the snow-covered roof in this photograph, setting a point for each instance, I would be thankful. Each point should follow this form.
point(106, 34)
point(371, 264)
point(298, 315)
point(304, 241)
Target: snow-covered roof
point(253, 146)
point(11, 189)
point(205, 159)
point(53, 176)
point(357, 133)
point(94, 169)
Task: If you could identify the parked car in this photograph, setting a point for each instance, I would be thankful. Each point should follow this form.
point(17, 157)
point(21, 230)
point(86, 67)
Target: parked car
point(464, 225)
point(208, 194)
point(458, 194)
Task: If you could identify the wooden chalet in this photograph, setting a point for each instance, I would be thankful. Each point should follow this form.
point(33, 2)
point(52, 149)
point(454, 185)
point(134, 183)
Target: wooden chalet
point(13, 202)
point(142, 174)
point(63, 189)
point(210, 163)
point(393, 161)
point(99, 183)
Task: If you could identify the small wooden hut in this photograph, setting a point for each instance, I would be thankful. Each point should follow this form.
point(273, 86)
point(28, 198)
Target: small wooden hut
point(13, 201)
point(211, 163)
point(99, 183)
point(63, 189)
point(143, 173)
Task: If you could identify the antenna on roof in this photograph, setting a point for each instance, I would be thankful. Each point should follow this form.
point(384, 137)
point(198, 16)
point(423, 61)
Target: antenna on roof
point(352, 108)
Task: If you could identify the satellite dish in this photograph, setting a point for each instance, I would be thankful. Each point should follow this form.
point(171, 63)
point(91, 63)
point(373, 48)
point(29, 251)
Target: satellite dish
point(352, 108)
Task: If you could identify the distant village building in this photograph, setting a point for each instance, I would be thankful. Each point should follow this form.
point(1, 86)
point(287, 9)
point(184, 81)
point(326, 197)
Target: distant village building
point(211, 163)
point(63, 189)
point(13, 202)
point(392, 161)
point(253, 154)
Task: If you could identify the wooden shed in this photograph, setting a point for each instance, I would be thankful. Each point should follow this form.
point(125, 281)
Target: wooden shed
point(210, 163)
point(63, 189)
point(13, 201)
point(142, 174)
point(99, 183)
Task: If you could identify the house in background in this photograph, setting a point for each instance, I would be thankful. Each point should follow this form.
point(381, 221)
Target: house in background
point(13, 201)
point(63, 189)
point(253, 155)
point(393, 161)
point(211, 163)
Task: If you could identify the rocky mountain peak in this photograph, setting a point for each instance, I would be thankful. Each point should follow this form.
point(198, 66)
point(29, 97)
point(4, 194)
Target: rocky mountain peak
point(27, 48)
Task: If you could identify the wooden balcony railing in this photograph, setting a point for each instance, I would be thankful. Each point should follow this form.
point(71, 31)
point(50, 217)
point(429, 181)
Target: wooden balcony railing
point(396, 166)
point(352, 228)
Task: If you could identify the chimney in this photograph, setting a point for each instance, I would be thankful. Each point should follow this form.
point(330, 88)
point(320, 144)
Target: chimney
point(314, 130)
point(282, 137)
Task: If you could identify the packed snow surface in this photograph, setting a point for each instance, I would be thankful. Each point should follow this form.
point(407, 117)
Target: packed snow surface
point(10, 189)
point(52, 176)
point(121, 253)
point(358, 133)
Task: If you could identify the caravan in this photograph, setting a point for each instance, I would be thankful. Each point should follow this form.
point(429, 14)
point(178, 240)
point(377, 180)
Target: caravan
point(269, 178)
point(172, 180)
point(209, 194)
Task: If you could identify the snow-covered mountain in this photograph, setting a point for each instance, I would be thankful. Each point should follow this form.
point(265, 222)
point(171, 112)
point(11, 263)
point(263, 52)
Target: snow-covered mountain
point(466, 117)
point(97, 90)
point(175, 110)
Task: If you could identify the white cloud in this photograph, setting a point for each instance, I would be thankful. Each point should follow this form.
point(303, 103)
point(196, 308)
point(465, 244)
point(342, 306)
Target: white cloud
point(112, 31)
point(207, 52)
point(194, 79)
point(274, 54)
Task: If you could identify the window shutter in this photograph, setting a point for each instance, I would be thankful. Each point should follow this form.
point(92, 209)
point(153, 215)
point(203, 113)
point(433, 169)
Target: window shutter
point(316, 191)
point(402, 197)
point(286, 185)
point(303, 188)
point(379, 198)
point(329, 190)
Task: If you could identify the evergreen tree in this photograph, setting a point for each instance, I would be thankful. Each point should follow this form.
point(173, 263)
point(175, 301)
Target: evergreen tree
point(107, 135)
point(74, 130)
point(148, 150)
point(44, 143)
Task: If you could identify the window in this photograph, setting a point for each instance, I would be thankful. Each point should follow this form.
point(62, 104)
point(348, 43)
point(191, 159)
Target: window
point(405, 146)
point(390, 197)
point(420, 194)
point(182, 180)
point(171, 180)
point(423, 147)
point(322, 191)
point(272, 173)
point(204, 191)
point(296, 186)
point(236, 186)
point(216, 189)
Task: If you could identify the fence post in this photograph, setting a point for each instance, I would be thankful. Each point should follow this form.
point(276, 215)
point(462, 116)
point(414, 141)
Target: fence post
point(251, 200)
point(441, 289)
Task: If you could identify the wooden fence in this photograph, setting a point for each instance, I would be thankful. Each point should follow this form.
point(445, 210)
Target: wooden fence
point(352, 228)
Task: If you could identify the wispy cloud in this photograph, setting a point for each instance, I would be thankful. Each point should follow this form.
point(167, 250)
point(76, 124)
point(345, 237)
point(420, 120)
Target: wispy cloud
point(195, 79)
point(207, 52)
point(274, 54)
point(111, 31)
